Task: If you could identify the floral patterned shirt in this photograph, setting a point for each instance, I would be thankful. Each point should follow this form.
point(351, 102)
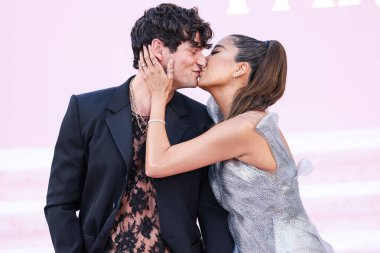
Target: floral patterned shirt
point(136, 228)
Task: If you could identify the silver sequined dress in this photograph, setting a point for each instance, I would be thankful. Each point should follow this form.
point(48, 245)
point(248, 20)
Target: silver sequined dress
point(265, 210)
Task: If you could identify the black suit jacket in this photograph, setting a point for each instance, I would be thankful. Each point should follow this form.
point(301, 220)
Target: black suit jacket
point(90, 168)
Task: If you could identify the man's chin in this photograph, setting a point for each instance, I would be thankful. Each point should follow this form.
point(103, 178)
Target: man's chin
point(192, 85)
point(200, 83)
point(187, 86)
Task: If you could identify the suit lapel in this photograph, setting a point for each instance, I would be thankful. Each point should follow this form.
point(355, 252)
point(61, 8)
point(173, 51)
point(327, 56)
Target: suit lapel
point(166, 188)
point(121, 130)
point(176, 126)
point(120, 122)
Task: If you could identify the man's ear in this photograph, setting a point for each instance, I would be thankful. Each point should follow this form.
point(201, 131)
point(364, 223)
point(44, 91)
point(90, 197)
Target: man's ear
point(157, 48)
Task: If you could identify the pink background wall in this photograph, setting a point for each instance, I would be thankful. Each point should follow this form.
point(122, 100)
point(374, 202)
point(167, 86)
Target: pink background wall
point(52, 49)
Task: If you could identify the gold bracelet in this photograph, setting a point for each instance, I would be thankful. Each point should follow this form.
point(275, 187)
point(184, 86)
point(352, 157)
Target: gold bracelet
point(156, 121)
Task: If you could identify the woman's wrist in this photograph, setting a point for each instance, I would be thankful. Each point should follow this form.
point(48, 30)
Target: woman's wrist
point(157, 111)
point(159, 99)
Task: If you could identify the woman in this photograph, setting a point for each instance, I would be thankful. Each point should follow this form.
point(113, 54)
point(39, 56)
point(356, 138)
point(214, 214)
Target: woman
point(255, 176)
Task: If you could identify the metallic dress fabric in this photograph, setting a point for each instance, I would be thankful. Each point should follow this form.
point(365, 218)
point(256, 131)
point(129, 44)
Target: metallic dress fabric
point(265, 209)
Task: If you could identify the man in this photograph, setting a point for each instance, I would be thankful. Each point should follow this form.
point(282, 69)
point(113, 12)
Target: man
point(98, 164)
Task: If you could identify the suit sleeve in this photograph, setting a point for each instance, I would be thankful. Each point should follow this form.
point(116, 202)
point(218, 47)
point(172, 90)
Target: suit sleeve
point(66, 184)
point(213, 220)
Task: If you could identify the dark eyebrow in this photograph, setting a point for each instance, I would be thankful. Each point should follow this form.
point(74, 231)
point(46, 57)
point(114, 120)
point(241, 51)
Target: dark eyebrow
point(196, 47)
point(195, 44)
point(216, 46)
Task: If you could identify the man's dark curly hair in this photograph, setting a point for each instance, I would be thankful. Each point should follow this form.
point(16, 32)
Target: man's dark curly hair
point(172, 25)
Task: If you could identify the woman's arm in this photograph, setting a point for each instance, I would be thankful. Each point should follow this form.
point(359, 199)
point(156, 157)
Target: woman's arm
point(224, 141)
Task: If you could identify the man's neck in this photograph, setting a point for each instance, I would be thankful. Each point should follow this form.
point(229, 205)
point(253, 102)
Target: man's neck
point(142, 96)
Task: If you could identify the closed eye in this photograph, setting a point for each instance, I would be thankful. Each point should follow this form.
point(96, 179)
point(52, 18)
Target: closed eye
point(216, 49)
point(194, 52)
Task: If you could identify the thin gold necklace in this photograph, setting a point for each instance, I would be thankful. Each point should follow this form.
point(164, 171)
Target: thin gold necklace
point(141, 122)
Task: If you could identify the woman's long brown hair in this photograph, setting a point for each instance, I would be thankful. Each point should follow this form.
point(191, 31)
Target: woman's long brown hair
point(267, 79)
